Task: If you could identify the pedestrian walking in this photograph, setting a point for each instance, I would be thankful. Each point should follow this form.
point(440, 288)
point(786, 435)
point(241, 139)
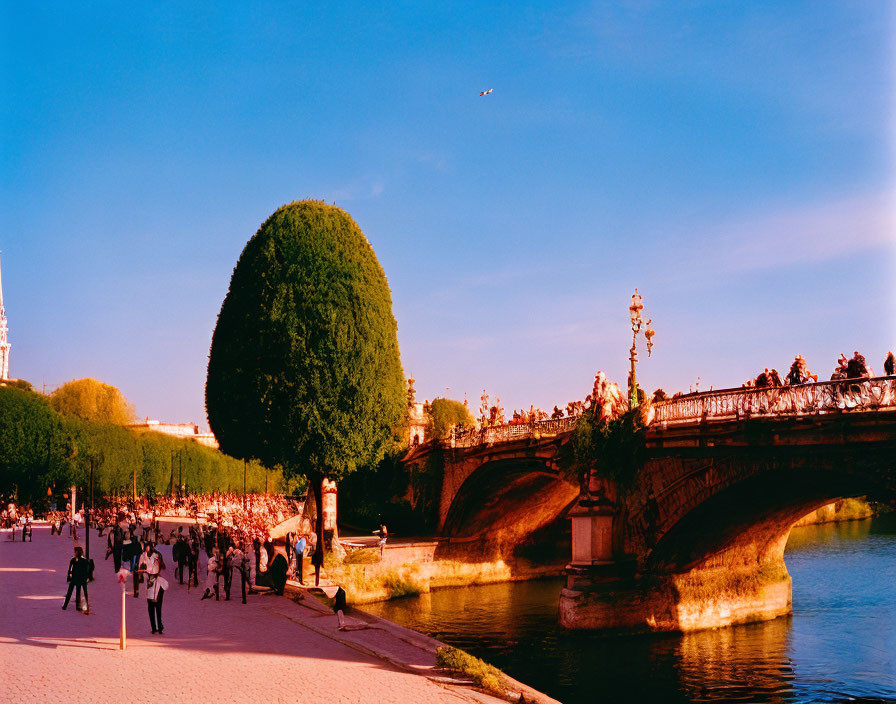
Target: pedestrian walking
point(117, 536)
point(151, 564)
point(317, 557)
point(180, 553)
point(337, 594)
point(78, 572)
point(193, 563)
point(238, 564)
point(27, 528)
point(211, 577)
point(383, 536)
point(299, 551)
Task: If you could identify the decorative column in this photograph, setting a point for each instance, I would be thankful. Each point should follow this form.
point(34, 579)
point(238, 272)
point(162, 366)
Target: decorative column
point(592, 532)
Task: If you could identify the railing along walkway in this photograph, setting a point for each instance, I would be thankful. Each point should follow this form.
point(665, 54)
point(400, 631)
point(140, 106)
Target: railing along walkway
point(725, 404)
point(513, 431)
point(800, 400)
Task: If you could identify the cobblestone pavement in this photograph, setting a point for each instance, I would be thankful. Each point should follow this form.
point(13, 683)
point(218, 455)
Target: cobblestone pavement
point(269, 650)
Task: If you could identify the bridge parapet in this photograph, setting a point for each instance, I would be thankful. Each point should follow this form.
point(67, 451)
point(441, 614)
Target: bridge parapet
point(512, 431)
point(847, 395)
point(780, 401)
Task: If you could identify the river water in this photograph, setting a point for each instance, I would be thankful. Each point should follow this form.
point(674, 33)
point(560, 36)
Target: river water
point(839, 644)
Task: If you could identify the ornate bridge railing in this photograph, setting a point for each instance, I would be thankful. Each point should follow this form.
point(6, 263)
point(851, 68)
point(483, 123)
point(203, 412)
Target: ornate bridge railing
point(506, 433)
point(803, 399)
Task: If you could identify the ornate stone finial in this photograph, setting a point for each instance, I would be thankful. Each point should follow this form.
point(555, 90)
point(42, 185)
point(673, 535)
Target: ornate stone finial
point(648, 334)
point(412, 392)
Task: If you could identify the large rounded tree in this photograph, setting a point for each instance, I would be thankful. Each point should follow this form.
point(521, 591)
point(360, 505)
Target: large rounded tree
point(304, 369)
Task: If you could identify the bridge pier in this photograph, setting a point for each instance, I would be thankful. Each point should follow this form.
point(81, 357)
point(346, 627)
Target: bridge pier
point(604, 597)
point(606, 589)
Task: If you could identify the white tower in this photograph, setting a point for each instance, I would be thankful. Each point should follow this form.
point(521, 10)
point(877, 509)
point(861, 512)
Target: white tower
point(4, 339)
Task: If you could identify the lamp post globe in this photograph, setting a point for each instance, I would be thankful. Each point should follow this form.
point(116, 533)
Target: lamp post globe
point(634, 310)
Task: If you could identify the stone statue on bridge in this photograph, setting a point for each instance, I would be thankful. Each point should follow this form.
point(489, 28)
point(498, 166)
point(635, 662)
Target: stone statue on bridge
point(606, 400)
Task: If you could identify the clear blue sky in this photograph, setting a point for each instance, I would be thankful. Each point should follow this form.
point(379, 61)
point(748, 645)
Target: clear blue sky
point(733, 160)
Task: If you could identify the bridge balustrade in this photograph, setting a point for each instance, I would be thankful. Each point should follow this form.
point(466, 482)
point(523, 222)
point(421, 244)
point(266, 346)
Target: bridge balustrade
point(799, 400)
point(725, 404)
point(512, 431)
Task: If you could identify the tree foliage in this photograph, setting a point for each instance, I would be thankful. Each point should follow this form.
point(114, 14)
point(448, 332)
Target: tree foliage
point(445, 412)
point(404, 497)
point(304, 369)
point(615, 448)
point(90, 399)
point(42, 448)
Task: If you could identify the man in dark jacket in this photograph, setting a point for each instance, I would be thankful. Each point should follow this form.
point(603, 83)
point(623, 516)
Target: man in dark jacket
point(116, 536)
point(193, 563)
point(181, 554)
point(210, 540)
point(78, 572)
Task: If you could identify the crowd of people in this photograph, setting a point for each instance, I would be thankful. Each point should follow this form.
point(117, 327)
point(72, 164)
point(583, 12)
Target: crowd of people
point(611, 401)
point(14, 517)
point(855, 368)
point(234, 532)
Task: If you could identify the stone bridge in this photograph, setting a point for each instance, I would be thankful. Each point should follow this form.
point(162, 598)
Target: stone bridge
point(698, 539)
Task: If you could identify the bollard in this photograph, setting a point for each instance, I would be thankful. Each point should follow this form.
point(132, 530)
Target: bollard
point(123, 639)
point(123, 636)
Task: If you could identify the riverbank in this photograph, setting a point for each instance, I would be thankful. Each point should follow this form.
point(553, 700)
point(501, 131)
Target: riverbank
point(836, 646)
point(404, 648)
point(268, 650)
point(842, 510)
point(412, 569)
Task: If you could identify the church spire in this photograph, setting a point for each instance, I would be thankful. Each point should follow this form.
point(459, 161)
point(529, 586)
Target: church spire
point(4, 339)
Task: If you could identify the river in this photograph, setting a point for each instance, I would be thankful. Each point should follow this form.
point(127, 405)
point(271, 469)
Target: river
point(839, 644)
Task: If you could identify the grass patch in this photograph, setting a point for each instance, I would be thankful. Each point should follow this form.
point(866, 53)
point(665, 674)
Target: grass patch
point(365, 556)
point(400, 583)
point(483, 675)
point(364, 583)
point(720, 584)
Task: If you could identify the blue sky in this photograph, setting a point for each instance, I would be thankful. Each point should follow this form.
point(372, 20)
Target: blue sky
point(732, 160)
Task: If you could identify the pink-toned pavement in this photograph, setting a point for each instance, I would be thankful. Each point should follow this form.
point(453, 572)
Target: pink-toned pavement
point(269, 650)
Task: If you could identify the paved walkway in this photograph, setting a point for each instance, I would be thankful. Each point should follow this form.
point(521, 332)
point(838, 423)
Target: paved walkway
point(269, 650)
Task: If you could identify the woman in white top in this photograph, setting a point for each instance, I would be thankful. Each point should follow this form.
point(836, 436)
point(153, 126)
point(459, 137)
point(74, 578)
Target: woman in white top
point(151, 564)
point(211, 579)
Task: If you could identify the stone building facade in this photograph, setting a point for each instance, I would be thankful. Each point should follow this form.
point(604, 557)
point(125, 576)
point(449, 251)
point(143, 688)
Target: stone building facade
point(185, 431)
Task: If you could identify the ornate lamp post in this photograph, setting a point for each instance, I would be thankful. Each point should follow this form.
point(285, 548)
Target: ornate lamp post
point(635, 312)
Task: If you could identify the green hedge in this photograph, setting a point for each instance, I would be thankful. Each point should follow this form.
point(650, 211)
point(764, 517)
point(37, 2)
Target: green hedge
point(41, 448)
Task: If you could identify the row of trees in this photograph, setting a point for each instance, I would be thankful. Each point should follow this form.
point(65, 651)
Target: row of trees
point(42, 448)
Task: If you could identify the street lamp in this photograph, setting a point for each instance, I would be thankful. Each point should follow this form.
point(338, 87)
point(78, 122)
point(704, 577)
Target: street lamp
point(635, 312)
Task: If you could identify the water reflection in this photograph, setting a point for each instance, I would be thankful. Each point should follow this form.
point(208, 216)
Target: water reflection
point(838, 645)
point(747, 663)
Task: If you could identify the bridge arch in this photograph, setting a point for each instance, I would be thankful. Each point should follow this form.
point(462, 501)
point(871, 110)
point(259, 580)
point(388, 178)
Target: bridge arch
point(707, 520)
point(748, 522)
point(504, 501)
point(742, 485)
